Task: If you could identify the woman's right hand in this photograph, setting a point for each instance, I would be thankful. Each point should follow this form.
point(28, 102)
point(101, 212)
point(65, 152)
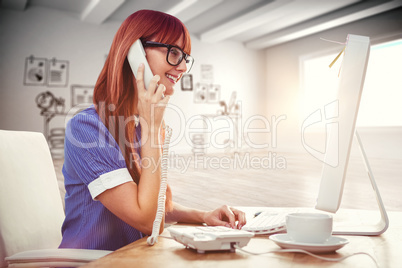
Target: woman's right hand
point(151, 102)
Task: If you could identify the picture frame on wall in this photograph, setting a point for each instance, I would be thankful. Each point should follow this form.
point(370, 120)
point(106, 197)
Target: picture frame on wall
point(58, 73)
point(214, 93)
point(187, 82)
point(201, 93)
point(35, 73)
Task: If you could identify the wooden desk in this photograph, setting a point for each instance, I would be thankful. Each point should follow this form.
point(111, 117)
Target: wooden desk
point(386, 249)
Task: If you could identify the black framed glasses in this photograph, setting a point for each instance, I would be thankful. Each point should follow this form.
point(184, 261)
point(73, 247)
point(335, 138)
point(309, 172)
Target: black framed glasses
point(174, 54)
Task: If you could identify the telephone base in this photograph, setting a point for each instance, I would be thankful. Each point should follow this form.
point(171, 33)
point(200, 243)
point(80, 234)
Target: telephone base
point(206, 238)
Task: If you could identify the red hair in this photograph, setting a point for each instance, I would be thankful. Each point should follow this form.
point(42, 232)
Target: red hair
point(115, 93)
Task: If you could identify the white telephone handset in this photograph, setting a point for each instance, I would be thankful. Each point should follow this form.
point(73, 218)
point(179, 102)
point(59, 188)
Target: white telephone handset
point(136, 56)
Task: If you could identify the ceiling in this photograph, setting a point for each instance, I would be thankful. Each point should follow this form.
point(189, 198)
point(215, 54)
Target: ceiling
point(256, 23)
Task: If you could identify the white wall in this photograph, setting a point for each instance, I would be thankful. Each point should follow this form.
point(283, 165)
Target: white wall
point(47, 33)
point(235, 69)
point(267, 82)
point(283, 82)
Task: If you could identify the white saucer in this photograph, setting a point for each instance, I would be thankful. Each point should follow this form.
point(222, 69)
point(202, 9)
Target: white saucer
point(332, 244)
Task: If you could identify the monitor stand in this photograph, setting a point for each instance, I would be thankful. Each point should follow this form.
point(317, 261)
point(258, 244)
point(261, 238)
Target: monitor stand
point(373, 229)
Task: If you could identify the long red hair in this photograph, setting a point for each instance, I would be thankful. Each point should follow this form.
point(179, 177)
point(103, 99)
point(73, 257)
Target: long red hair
point(115, 93)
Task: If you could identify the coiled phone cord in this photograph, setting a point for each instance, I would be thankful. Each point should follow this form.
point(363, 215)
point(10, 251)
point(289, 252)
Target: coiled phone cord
point(162, 190)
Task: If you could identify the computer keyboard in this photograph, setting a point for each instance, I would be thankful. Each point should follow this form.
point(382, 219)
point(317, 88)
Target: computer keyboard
point(210, 238)
point(267, 222)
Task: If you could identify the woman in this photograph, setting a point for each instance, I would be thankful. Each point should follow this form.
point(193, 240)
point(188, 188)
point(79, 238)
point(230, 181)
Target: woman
point(111, 169)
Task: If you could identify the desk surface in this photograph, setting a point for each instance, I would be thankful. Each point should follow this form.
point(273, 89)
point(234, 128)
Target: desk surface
point(386, 249)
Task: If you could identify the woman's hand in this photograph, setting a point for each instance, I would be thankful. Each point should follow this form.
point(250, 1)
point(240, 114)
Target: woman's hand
point(225, 216)
point(151, 102)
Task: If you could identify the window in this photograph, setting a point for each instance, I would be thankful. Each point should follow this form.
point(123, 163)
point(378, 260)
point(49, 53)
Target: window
point(380, 104)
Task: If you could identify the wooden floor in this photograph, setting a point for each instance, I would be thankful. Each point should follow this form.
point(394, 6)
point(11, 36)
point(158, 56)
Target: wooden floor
point(273, 179)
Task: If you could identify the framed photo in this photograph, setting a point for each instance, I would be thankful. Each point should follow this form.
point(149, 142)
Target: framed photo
point(58, 73)
point(35, 73)
point(214, 93)
point(207, 73)
point(201, 93)
point(187, 82)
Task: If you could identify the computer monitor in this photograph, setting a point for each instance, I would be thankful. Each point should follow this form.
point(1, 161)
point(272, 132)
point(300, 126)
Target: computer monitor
point(339, 142)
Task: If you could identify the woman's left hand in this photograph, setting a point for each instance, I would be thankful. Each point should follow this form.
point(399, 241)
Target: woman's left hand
point(225, 216)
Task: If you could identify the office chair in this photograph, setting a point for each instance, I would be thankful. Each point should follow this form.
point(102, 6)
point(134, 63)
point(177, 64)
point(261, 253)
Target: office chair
point(31, 210)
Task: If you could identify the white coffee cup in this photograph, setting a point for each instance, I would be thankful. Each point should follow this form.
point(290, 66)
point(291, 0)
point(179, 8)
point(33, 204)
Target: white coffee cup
point(309, 227)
